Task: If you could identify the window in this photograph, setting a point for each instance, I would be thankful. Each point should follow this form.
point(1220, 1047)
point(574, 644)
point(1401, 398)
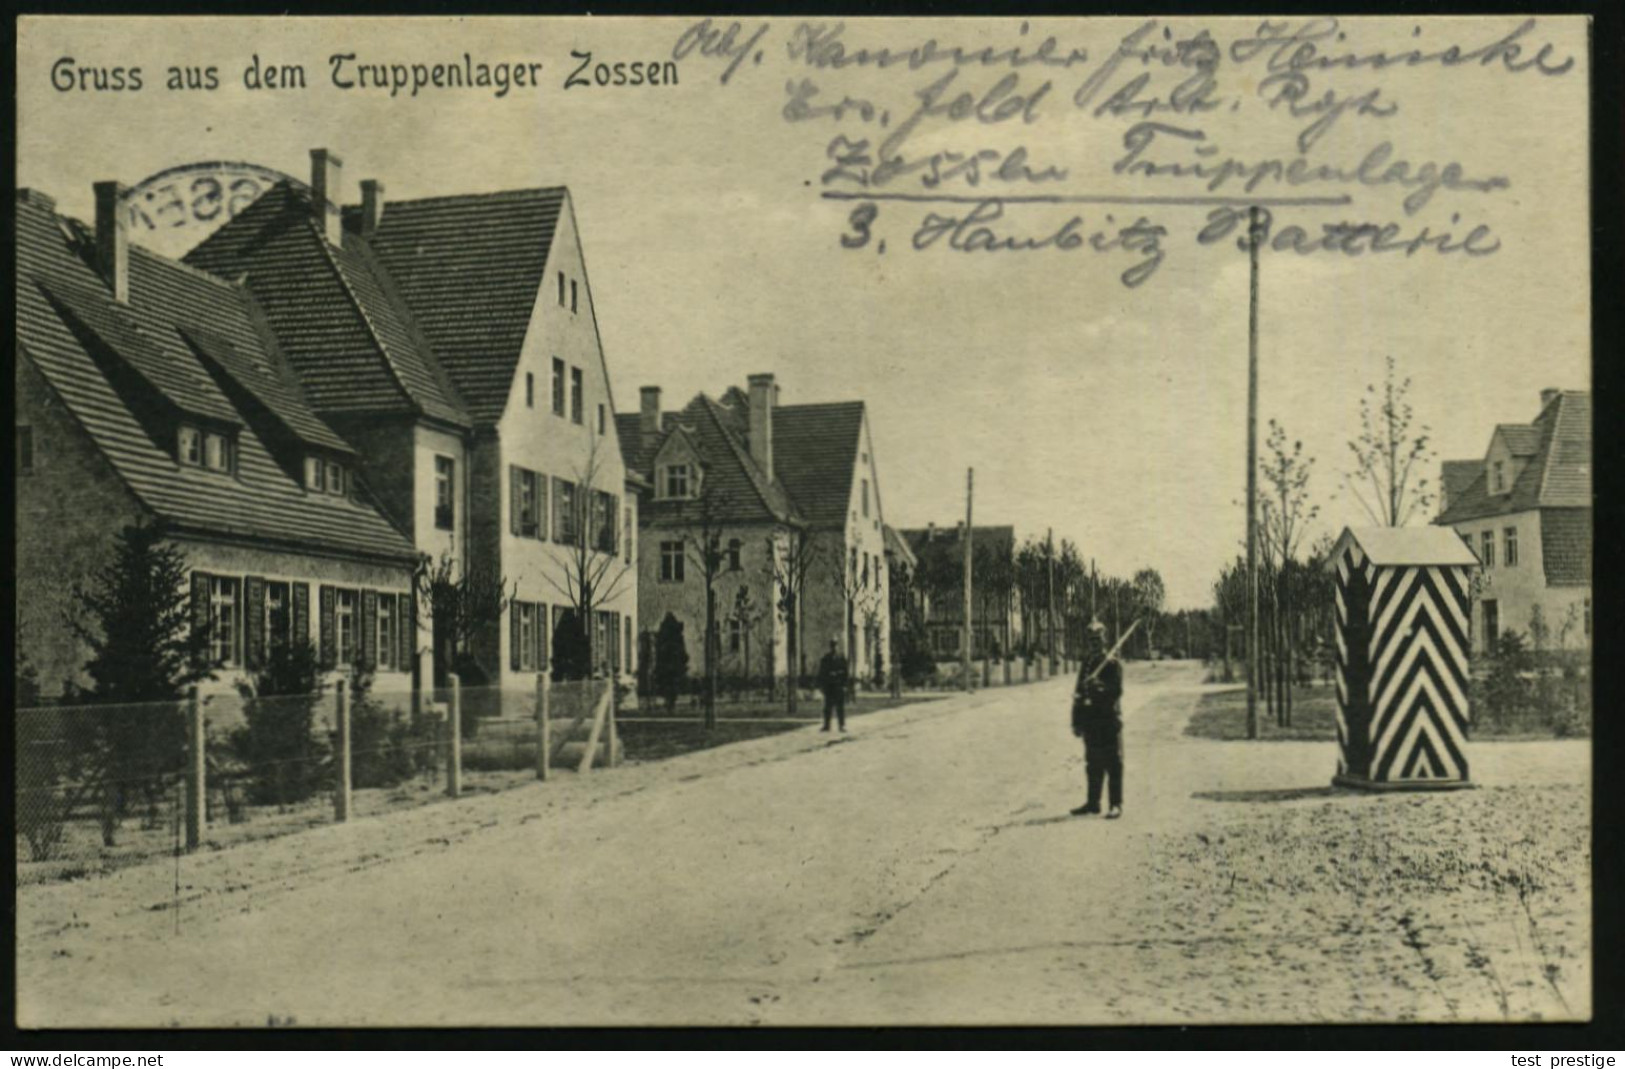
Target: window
point(1492, 623)
point(558, 386)
point(527, 636)
point(278, 616)
point(1510, 537)
point(602, 420)
point(223, 606)
point(677, 480)
point(530, 390)
point(575, 395)
point(344, 620)
point(190, 447)
point(626, 543)
point(733, 555)
point(386, 631)
point(852, 567)
point(866, 499)
point(564, 512)
point(671, 562)
point(527, 490)
point(1487, 542)
point(314, 470)
point(736, 634)
point(604, 521)
point(866, 571)
point(572, 295)
point(561, 289)
point(217, 452)
point(1500, 476)
point(25, 450)
point(445, 488)
point(335, 479)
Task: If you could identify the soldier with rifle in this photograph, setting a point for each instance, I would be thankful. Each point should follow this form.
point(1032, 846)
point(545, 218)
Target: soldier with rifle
point(1097, 718)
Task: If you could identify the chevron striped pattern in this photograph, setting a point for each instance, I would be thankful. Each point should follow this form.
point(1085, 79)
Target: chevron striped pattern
point(1402, 642)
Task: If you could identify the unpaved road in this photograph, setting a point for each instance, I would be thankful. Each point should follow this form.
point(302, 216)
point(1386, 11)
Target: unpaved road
point(920, 870)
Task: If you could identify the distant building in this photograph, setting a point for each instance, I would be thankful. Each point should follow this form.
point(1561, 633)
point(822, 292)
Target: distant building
point(1525, 510)
point(773, 480)
point(940, 553)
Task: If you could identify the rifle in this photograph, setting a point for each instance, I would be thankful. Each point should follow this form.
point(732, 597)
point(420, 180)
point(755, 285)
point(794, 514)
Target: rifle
point(1113, 651)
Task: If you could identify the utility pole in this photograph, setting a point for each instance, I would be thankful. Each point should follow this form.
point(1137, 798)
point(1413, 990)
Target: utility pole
point(1050, 556)
point(964, 653)
point(1252, 473)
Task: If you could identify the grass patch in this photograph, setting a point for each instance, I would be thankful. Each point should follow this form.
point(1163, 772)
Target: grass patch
point(1223, 716)
point(651, 740)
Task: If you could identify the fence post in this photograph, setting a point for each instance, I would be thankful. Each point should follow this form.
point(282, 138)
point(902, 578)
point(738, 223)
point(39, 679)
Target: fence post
point(196, 770)
point(454, 747)
point(341, 796)
point(544, 729)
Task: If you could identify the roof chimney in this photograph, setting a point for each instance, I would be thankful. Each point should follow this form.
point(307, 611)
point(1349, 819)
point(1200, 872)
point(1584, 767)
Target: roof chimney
point(930, 531)
point(112, 243)
point(325, 169)
point(1547, 396)
point(372, 205)
point(764, 396)
point(649, 411)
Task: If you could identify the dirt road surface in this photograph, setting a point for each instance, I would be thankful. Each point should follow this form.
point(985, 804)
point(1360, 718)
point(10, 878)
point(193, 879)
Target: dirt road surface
point(920, 870)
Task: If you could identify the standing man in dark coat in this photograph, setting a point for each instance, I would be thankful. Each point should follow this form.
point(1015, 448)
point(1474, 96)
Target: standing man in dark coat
point(1097, 718)
point(832, 680)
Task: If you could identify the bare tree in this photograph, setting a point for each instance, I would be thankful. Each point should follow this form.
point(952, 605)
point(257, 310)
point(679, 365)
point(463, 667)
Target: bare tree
point(748, 613)
point(791, 567)
point(702, 520)
point(1149, 592)
point(1283, 516)
point(465, 599)
point(1389, 456)
point(586, 543)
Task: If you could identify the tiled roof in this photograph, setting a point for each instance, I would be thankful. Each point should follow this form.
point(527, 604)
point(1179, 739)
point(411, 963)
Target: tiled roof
point(1565, 546)
point(897, 546)
point(332, 309)
point(263, 499)
point(1457, 475)
point(921, 538)
point(1556, 475)
point(730, 472)
point(470, 270)
point(815, 450)
point(815, 453)
point(1522, 439)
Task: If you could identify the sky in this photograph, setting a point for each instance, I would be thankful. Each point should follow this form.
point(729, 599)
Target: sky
point(1115, 415)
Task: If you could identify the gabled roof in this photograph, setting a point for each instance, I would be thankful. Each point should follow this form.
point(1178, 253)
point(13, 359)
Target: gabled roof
point(1404, 546)
point(169, 302)
point(921, 539)
point(1556, 475)
point(333, 310)
point(815, 455)
point(1522, 439)
point(815, 452)
point(470, 270)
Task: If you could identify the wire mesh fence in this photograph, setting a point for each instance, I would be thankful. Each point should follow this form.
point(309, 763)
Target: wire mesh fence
point(100, 786)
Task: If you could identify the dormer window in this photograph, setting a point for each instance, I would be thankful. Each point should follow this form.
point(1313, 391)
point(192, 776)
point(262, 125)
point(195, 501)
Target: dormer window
point(323, 476)
point(203, 449)
point(1498, 476)
point(677, 480)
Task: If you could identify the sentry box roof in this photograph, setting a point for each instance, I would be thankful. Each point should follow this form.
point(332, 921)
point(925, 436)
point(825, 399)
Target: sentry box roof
point(1405, 546)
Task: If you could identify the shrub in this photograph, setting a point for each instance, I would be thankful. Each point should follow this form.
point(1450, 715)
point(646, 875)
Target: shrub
point(572, 658)
point(278, 745)
point(385, 751)
point(671, 660)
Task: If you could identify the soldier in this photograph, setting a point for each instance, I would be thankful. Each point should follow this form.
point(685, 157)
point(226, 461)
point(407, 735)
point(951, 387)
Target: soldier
point(832, 680)
point(1097, 718)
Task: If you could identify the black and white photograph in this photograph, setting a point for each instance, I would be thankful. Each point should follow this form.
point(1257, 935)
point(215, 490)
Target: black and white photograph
point(544, 521)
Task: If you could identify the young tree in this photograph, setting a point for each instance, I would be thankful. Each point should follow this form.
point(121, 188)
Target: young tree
point(465, 599)
point(703, 520)
point(792, 562)
point(149, 641)
point(671, 661)
point(747, 613)
point(1284, 514)
point(586, 544)
point(1389, 456)
point(1149, 593)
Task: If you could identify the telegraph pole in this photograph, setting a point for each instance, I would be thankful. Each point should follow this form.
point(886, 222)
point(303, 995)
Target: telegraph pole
point(964, 652)
point(1252, 473)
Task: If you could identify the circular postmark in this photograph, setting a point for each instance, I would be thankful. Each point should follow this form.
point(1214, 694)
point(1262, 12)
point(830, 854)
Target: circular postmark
point(173, 210)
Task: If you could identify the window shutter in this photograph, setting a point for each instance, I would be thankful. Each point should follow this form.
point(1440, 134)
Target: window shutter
point(301, 613)
point(513, 499)
point(542, 509)
point(200, 603)
point(406, 628)
point(369, 628)
point(556, 485)
point(254, 623)
point(513, 635)
point(329, 633)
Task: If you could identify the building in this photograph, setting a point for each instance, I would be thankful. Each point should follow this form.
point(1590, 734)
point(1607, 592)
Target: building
point(940, 553)
point(147, 391)
point(1525, 510)
point(781, 491)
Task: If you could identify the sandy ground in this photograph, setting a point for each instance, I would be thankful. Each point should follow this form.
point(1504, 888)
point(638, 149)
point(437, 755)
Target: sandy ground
point(919, 870)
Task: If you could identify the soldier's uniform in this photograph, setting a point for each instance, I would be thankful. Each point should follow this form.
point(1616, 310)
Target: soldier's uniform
point(1097, 718)
point(832, 680)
